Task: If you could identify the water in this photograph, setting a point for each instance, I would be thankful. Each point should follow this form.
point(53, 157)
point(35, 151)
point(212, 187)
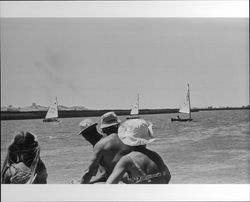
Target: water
point(214, 148)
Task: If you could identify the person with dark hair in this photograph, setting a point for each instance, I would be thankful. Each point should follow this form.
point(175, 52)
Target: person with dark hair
point(89, 131)
point(23, 164)
point(109, 123)
point(143, 166)
point(108, 150)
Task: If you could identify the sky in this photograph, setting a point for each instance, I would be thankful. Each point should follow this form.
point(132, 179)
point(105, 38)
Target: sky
point(102, 63)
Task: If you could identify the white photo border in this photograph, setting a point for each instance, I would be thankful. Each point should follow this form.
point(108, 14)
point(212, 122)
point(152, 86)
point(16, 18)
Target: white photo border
point(151, 9)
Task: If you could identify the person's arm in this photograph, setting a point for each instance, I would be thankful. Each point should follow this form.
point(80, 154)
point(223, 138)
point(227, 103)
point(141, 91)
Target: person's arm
point(119, 171)
point(94, 164)
point(6, 177)
point(101, 175)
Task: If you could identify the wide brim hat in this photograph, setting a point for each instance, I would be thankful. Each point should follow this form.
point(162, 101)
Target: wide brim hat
point(109, 119)
point(86, 125)
point(136, 132)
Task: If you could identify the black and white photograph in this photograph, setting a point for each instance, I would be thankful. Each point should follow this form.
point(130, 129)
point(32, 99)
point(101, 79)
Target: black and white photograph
point(126, 92)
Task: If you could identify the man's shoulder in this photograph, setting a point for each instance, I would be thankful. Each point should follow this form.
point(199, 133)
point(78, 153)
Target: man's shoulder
point(106, 141)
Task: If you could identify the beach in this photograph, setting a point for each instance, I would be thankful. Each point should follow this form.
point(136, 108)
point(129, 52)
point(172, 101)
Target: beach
point(212, 149)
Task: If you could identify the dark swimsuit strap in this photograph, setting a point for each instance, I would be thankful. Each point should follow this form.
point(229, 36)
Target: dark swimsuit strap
point(152, 156)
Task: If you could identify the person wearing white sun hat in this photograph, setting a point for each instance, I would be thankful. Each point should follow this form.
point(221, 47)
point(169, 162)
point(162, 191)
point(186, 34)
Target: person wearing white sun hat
point(142, 165)
point(136, 132)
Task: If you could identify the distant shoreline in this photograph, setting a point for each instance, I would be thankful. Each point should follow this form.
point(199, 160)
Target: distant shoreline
point(17, 115)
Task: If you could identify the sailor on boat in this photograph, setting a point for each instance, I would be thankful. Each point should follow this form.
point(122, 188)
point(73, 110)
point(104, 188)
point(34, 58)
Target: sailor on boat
point(23, 164)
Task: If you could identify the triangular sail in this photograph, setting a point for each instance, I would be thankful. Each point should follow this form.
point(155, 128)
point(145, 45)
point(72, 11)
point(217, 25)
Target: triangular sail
point(53, 111)
point(135, 108)
point(185, 108)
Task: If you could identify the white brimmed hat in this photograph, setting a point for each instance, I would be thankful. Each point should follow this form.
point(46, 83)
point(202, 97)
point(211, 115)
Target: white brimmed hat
point(109, 119)
point(86, 124)
point(135, 132)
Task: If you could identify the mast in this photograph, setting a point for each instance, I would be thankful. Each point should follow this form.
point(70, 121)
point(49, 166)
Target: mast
point(138, 102)
point(56, 107)
point(189, 102)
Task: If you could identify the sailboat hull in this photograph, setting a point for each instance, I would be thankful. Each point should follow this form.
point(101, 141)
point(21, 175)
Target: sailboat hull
point(181, 120)
point(51, 120)
point(133, 117)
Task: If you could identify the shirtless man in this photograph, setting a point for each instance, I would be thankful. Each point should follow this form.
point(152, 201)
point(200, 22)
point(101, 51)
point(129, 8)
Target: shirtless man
point(108, 150)
point(142, 165)
point(90, 133)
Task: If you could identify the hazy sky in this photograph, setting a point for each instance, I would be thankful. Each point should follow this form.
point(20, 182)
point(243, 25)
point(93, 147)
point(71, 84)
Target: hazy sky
point(103, 62)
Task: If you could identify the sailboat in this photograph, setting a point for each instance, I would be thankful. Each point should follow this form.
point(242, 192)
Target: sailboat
point(52, 114)
point(185, 108)
point(134, 113)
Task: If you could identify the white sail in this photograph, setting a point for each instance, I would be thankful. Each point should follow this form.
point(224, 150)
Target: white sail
point(135, 108)
point(185, 108)
point(53, 111)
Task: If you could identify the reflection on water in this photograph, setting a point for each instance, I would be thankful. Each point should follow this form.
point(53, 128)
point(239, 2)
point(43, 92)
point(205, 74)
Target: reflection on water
point(214, 148)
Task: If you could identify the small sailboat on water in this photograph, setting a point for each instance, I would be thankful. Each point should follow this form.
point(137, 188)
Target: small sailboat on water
point(134, 113)
point(52, 114)
point(185, 108)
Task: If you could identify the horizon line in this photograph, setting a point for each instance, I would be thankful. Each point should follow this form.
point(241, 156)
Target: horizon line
point(195, 107)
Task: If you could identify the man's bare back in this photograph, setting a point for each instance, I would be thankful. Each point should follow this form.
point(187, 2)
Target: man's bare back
point(142, 166)
point(107, 152)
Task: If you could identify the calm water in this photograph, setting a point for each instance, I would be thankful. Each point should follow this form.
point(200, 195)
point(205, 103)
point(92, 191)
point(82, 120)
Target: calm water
point(214, 148)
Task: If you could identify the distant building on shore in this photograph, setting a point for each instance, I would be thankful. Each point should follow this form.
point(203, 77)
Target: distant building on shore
point(35, 107)
point(11, 108)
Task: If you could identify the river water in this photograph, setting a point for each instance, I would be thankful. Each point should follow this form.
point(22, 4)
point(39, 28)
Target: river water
point(212, 149)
